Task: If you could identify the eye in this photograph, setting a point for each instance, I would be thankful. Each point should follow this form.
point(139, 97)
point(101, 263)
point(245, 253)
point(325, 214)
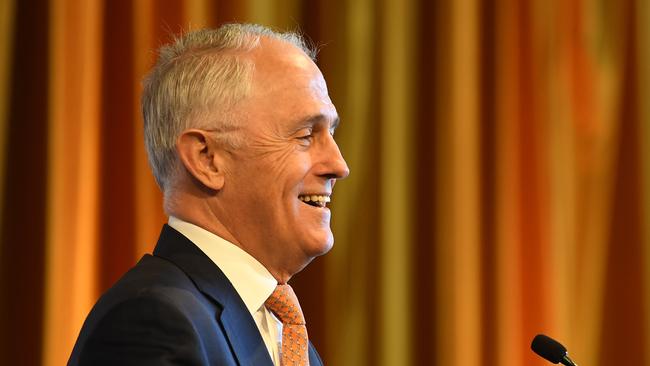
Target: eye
point(306, 135)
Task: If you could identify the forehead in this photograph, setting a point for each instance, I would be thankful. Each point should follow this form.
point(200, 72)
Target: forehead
point(287, 85)
point(279, 65)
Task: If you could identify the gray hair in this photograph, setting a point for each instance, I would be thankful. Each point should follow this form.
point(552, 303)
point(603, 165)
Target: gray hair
point(195, 82)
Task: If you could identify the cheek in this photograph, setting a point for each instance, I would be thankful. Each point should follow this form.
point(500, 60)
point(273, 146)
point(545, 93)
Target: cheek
point(289, 169)
point(282, 161)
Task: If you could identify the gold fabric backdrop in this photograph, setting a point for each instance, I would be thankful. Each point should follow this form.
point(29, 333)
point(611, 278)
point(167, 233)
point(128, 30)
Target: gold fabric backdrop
point(500, 186)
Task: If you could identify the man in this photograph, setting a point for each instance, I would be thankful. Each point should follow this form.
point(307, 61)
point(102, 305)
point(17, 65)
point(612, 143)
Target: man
point(239, 132)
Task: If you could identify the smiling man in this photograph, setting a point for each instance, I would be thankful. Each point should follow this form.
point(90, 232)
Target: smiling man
point(239, 132)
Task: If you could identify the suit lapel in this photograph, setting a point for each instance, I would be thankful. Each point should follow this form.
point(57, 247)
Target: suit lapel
point(314, 357)
point(238, 324)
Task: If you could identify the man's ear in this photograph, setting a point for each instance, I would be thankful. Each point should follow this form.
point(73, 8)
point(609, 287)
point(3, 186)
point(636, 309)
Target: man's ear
point(201, 157)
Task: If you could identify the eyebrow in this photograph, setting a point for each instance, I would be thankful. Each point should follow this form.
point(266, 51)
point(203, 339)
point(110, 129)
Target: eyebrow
point(311, 120)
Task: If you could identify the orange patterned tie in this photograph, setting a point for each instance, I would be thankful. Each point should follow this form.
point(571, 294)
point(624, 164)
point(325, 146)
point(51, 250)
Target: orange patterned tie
point(284, 304)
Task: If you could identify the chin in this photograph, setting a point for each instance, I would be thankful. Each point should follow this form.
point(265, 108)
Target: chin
point(312, 249)
point(319, 245)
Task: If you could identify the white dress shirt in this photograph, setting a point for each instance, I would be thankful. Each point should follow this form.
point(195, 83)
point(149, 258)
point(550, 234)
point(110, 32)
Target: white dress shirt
point(250, 278)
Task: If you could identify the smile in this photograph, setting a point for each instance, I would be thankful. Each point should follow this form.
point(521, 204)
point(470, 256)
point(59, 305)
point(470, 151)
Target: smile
point(315, 200)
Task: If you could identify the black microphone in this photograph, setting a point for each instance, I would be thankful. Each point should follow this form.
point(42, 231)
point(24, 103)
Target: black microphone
point(551, 350)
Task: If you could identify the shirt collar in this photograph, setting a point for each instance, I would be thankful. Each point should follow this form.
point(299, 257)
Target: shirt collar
point(252, 281)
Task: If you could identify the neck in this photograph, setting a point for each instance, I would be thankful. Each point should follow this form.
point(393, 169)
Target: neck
point(197, 210)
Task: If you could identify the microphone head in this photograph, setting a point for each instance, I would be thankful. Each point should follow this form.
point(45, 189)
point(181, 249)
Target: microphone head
point(548, 348)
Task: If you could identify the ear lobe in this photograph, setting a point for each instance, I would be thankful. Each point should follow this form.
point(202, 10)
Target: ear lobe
point(201, 158)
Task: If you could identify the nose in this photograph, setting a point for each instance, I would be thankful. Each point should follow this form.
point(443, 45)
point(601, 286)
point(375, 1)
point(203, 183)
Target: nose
point(334, 166)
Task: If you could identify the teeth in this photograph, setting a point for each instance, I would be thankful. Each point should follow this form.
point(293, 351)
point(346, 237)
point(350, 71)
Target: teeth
point(315, 198)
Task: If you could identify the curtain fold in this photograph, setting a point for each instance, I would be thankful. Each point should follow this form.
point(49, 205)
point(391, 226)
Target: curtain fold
point(25, 132)
point(351, 284)
point(395, 122)
point(73, 173)
point(7, 14)
point(499, 187)
point(643, 44)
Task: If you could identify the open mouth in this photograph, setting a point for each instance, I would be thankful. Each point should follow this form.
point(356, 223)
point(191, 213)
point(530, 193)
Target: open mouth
point(316, 200)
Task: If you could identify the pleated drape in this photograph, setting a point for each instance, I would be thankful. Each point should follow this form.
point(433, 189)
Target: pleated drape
point(500, 173)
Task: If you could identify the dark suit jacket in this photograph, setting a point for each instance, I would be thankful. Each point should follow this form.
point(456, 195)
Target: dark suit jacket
point(174, 307)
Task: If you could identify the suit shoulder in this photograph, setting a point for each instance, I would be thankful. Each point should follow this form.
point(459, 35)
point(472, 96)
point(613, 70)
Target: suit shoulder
point(154, 308)
point(143, 301)
point(149, 276)
point(146, 329)
point(152, 270)
point(156, 279)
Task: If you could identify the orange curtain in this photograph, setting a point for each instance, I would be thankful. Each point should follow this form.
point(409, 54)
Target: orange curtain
point(500, 186)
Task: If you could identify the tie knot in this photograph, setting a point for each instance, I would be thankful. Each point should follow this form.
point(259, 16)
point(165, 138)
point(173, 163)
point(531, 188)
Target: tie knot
point(284, 304)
